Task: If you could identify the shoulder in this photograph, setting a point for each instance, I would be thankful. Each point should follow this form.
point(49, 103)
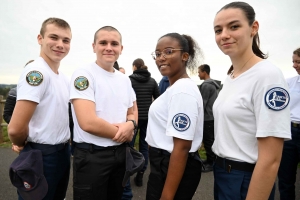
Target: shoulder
point(12, 92)
point(265, 73)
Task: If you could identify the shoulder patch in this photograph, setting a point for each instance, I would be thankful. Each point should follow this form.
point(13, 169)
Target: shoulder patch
point(34, 78)
point(181, 122)
point(277, 98)
point(81, 83)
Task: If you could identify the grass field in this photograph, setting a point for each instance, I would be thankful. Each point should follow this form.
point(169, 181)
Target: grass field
point(6, 141)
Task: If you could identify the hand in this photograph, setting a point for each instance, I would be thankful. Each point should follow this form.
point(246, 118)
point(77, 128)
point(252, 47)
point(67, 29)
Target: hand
point(16, 148)
point(125, 132)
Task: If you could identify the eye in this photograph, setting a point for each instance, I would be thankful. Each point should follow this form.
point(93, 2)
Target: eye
point(218, 31)
point(168, 51)
point(115, 43)
point(66, 41)
point(53, 37)
point(157, 53)
point(234, 27)
point(102, 42)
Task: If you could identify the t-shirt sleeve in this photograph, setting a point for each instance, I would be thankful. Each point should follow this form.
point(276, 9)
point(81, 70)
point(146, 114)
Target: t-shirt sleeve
point(82, 86)
point(32, 84)
point(271, 107)
point(183, 113)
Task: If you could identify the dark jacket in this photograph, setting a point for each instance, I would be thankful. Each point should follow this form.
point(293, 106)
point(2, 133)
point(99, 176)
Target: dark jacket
point(145, 89)
point(163, 84)
point(10, 104)
point(209, 91)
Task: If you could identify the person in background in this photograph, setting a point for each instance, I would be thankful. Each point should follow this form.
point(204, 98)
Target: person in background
point(146, 90)
point(163, 84)
point(251, 113)
point(209, 92)
point(104, 120)
point(175, 122)
point(10, 102)
point(291, 149)
point(122, 70)
point(40, 118)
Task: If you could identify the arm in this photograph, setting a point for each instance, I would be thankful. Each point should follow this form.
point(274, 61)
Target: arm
point(18, 126)
point(176, 167)
point(135, 112)
point(205, 93)
point(9, 108)
point(126, 130)
point(265, 172)
point(90, 122)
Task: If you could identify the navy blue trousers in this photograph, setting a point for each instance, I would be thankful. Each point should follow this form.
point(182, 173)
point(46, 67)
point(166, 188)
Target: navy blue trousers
point(288, 166)
point(233, 185)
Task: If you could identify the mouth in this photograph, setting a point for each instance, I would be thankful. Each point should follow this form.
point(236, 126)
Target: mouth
point(58, 52)
point(163, 66)
point(226, 44)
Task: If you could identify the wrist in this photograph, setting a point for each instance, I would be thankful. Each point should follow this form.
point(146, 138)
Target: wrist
point(133, 122)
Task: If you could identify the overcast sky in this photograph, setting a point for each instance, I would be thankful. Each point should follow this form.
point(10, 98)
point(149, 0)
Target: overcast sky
point(141, 23)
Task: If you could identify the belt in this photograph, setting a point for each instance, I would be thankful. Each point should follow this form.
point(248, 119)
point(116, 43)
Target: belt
point(92, 147)
point(228, 165)
point(166, 153)
point(295, 125)
point(48, 148)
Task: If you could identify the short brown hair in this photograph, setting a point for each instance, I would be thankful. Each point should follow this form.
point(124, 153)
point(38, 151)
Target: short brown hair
point(52, 20)
point(107, 28)
point(297, 52)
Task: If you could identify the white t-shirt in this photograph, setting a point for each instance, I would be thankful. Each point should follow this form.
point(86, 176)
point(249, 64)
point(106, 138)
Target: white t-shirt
point(112, 94)
point(50, 121)
point(178, 112)
point(255, 104)
point(294, 86)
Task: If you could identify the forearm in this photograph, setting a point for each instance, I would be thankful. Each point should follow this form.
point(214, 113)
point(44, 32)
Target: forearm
point(265, 172)
point(176, 169)
point(17, 137)
point(262, 180)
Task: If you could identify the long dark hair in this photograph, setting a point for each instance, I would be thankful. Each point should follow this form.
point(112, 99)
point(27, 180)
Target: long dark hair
point(250, 15)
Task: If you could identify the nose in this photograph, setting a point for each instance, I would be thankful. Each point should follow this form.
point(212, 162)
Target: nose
point(60, 44)
point(225, 34)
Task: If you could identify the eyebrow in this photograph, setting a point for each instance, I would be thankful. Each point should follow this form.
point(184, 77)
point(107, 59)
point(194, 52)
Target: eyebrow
point(58, 36)
point(230, 23)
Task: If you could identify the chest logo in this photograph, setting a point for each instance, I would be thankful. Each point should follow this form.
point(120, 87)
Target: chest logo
point(34, 78)
point(181, 122)
point(81, 83)
point(277, 98)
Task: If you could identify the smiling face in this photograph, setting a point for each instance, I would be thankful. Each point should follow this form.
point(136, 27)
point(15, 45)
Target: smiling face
point(233, 34)
point(174, 64)
point(107, 47)
point(55, 44)
point(296, 63)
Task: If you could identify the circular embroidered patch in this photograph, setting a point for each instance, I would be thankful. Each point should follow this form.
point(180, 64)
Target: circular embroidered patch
point(181, 122)
point(277, 98)
point(34, 78)
point(81, 83)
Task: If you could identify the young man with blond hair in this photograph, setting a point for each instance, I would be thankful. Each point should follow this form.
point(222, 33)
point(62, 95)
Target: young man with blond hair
point(40, 118)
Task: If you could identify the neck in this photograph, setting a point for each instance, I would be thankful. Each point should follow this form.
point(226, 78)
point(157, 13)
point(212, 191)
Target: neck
point(178, 76)
point(106, 66)
point(52, 64)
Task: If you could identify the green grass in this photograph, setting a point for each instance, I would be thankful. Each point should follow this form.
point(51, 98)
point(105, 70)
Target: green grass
point(6, 141)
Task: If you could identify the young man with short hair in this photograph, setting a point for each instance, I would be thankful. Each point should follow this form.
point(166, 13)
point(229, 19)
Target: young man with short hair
point(209, 91)
point(103, 120)
point(40, 118)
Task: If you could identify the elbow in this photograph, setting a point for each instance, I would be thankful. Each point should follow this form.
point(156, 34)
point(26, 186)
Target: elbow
point(16, 136)
point(85, 126)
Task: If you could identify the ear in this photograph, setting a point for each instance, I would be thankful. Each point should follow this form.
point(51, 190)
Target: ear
point(255, 27)
point(185, 56)
point(121, 49)
point(93, 45)
point(39, 38)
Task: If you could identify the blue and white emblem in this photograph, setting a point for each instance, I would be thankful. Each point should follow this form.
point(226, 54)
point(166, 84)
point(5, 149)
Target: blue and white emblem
point(181, 122)
point(277, 98)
